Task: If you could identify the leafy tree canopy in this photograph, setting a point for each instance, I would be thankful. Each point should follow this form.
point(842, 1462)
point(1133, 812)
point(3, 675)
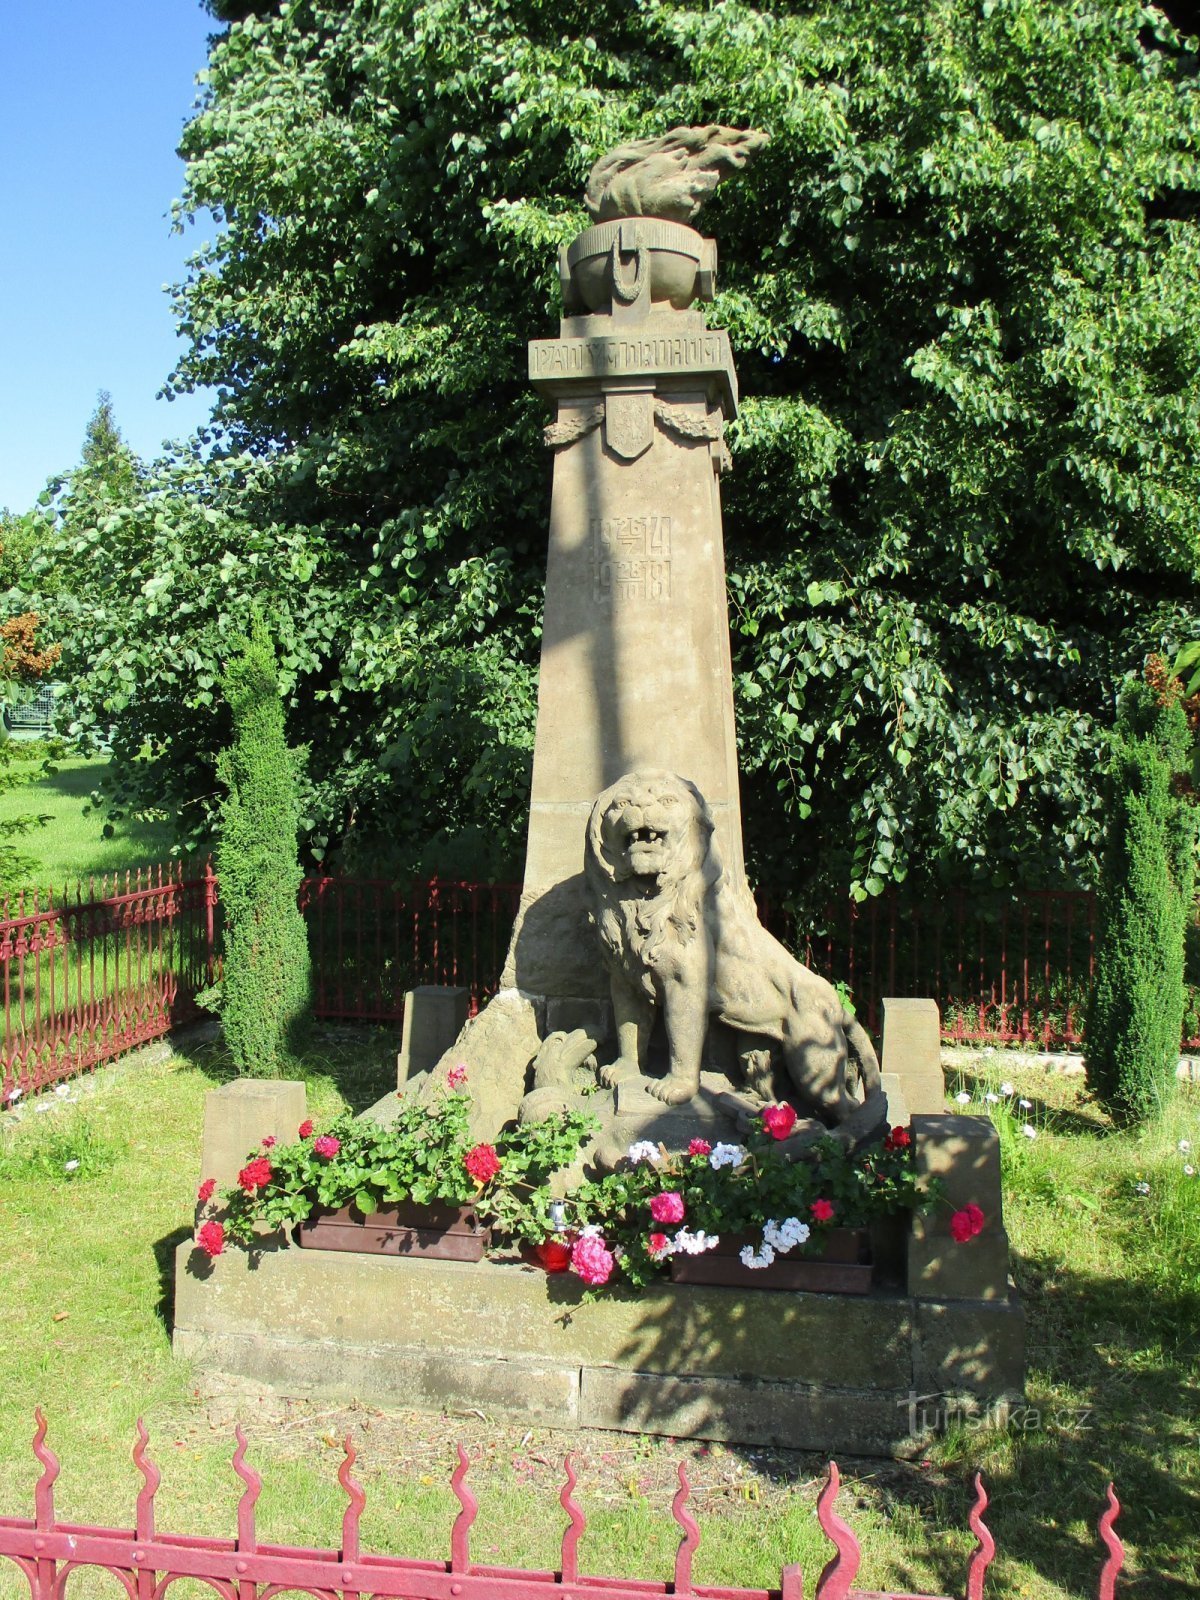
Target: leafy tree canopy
point(963, 287)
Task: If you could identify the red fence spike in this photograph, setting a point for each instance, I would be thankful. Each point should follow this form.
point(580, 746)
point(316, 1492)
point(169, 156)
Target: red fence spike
point(691, 1533)
point(1115, 1559)
point(460, 1535)
point(834, 1583)
point(247, 1538)
point(573, 1532)
point(43, 1494)
point(153, 1477)
point(985, 1546)
point(357, 1499)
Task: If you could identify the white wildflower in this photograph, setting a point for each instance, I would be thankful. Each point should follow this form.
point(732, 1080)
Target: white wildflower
point(1029, 1131)
point(1143, 1187)
point(13, 1096)
point(1025, 1105)
point(963, 1098)
point(749, 1258)
point(71, 1166)
point(1185, 1145)
point(726, 1155)
point(1006, 1088)
point(695, 1244)
point(786, 1235)
point(1189, 1171)
point(42, 1105)
point(62, 1090)
point(992, 1099)
point(644, 1150)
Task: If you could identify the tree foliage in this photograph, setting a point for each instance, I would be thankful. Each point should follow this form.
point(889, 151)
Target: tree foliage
point(1136, 1008)
point(266, 983)
point(963, 288)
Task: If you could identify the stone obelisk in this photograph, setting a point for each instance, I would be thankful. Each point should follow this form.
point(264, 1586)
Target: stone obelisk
point(635, 664)
point(635, 667)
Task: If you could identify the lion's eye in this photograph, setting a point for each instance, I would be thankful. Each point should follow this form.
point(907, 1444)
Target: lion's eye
point(668, 800)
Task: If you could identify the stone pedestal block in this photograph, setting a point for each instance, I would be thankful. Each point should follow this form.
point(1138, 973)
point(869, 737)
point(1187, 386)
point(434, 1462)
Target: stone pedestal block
point(434, 1016)
point(964, 1154)
point(239, 1115)
point(911, 1059)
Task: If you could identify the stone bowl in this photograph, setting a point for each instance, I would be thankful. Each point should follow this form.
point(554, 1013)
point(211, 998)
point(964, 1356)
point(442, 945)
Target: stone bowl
point(680, 263)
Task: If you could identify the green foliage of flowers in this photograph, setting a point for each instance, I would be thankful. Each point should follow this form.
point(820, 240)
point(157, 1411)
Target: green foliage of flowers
point(963, 288)
point(1136, 1008)
point(265, 991)
point(425, 1154)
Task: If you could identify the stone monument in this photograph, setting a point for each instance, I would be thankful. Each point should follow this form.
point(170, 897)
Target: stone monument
point(638, 959)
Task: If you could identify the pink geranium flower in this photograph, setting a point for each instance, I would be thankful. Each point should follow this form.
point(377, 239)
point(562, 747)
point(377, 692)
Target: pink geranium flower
point(592, 1260)
point(699, 1147)
point(327, 1146)
point(667, 1207)
point(457, 1076)
point(965, 1224)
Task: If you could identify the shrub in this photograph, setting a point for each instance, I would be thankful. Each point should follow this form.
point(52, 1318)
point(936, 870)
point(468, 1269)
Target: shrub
point(265, 994)
point(1135, 1015)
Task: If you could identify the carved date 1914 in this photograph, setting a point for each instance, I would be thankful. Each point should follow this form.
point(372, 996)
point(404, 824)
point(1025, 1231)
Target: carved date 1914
point(631, 558)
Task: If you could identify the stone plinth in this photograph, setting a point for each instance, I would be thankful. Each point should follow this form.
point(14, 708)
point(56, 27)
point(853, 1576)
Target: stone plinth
point(434, 1015)
point(805, 1371)
point(911, 1059)
point(239, 1115)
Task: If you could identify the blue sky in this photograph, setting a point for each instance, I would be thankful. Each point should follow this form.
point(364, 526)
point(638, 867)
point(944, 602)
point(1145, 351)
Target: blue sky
point(93, 99)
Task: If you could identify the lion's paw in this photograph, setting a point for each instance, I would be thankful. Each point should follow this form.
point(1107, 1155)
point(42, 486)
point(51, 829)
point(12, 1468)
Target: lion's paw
point(674, 1091)
point(618, 1072)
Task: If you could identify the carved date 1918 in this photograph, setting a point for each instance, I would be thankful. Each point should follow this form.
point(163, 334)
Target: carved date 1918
point(631, 558)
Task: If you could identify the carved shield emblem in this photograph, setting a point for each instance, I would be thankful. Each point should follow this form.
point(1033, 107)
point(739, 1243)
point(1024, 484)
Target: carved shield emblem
point(629, 424)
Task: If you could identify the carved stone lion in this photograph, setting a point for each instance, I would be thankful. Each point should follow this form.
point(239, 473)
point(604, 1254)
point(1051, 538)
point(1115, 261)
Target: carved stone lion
point(679, 936)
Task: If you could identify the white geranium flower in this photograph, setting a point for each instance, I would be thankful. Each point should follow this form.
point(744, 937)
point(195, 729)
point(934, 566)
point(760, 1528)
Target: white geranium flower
point(726, 1155)
point(750, 1258)
point(695, 1244)
point(644, 1150)
point(786, 1235)
point(963, 1098)
point(1006, 1088)
point(592, 1231)
point(1029, 1131)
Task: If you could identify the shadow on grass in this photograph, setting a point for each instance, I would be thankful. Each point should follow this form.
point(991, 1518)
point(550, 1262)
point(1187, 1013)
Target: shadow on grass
point(357, 1064)
point(164, 1261)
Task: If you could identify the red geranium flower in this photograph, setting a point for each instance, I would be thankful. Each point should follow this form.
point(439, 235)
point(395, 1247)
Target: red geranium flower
point(965, 1224)
point(211, 1238)
point(898, 1139)
point(657, 1244)
point(699, 1147)
point(255, 1174)
point(305, 1129)
point(779, 1120)
point(206, 1191)
point(482, 1162)
point(327, 1146)
point(269, 1142)
point(822, 1210)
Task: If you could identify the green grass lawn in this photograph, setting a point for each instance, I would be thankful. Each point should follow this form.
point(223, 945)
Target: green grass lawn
point(72, 844)
point(1110, 1279)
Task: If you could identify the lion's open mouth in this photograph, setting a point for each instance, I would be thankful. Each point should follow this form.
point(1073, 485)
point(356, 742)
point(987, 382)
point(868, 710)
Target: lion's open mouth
point(646, 835)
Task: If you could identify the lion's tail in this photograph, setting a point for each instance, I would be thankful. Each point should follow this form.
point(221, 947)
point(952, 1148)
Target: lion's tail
point(865, 1121)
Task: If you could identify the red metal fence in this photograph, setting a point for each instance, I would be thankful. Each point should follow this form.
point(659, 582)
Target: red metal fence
point(146, 1561)
point(89, 976)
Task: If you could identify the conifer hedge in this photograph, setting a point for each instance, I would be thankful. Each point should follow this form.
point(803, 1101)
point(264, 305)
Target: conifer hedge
point(266, 990)
point(1135, 1015)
